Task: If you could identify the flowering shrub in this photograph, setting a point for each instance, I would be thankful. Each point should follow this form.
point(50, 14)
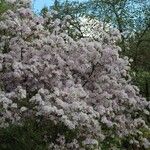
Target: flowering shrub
point(77, 91)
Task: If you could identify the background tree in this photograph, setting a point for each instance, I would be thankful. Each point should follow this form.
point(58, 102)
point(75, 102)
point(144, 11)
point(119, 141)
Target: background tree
point(4, 6)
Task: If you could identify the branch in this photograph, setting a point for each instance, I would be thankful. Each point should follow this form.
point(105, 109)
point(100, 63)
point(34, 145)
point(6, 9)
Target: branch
point(93, 69)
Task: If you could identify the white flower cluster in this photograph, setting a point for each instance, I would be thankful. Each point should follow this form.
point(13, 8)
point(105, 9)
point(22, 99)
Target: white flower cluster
point(97, 30)
point(82, 84)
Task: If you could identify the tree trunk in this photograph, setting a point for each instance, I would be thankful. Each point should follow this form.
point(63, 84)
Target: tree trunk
point(147, 89)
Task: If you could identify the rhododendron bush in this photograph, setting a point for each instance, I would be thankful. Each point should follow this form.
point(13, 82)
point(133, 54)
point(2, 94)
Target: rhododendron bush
point(78, 91)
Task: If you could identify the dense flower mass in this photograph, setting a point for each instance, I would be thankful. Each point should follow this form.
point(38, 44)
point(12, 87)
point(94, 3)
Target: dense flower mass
point(80, 86)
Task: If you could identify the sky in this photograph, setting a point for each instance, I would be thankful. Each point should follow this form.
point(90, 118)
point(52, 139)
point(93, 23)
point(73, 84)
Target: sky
point(39, 4)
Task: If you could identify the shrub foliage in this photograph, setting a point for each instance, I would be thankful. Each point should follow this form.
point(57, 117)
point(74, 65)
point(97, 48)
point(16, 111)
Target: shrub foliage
point(64, 93)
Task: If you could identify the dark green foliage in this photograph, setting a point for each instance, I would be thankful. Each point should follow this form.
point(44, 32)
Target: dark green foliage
point(33, 135)
point(28, 137)
point(142, 80)
point(3, 7)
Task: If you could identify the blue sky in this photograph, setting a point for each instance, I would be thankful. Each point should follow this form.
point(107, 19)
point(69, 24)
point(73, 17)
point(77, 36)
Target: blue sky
point(39, 4)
